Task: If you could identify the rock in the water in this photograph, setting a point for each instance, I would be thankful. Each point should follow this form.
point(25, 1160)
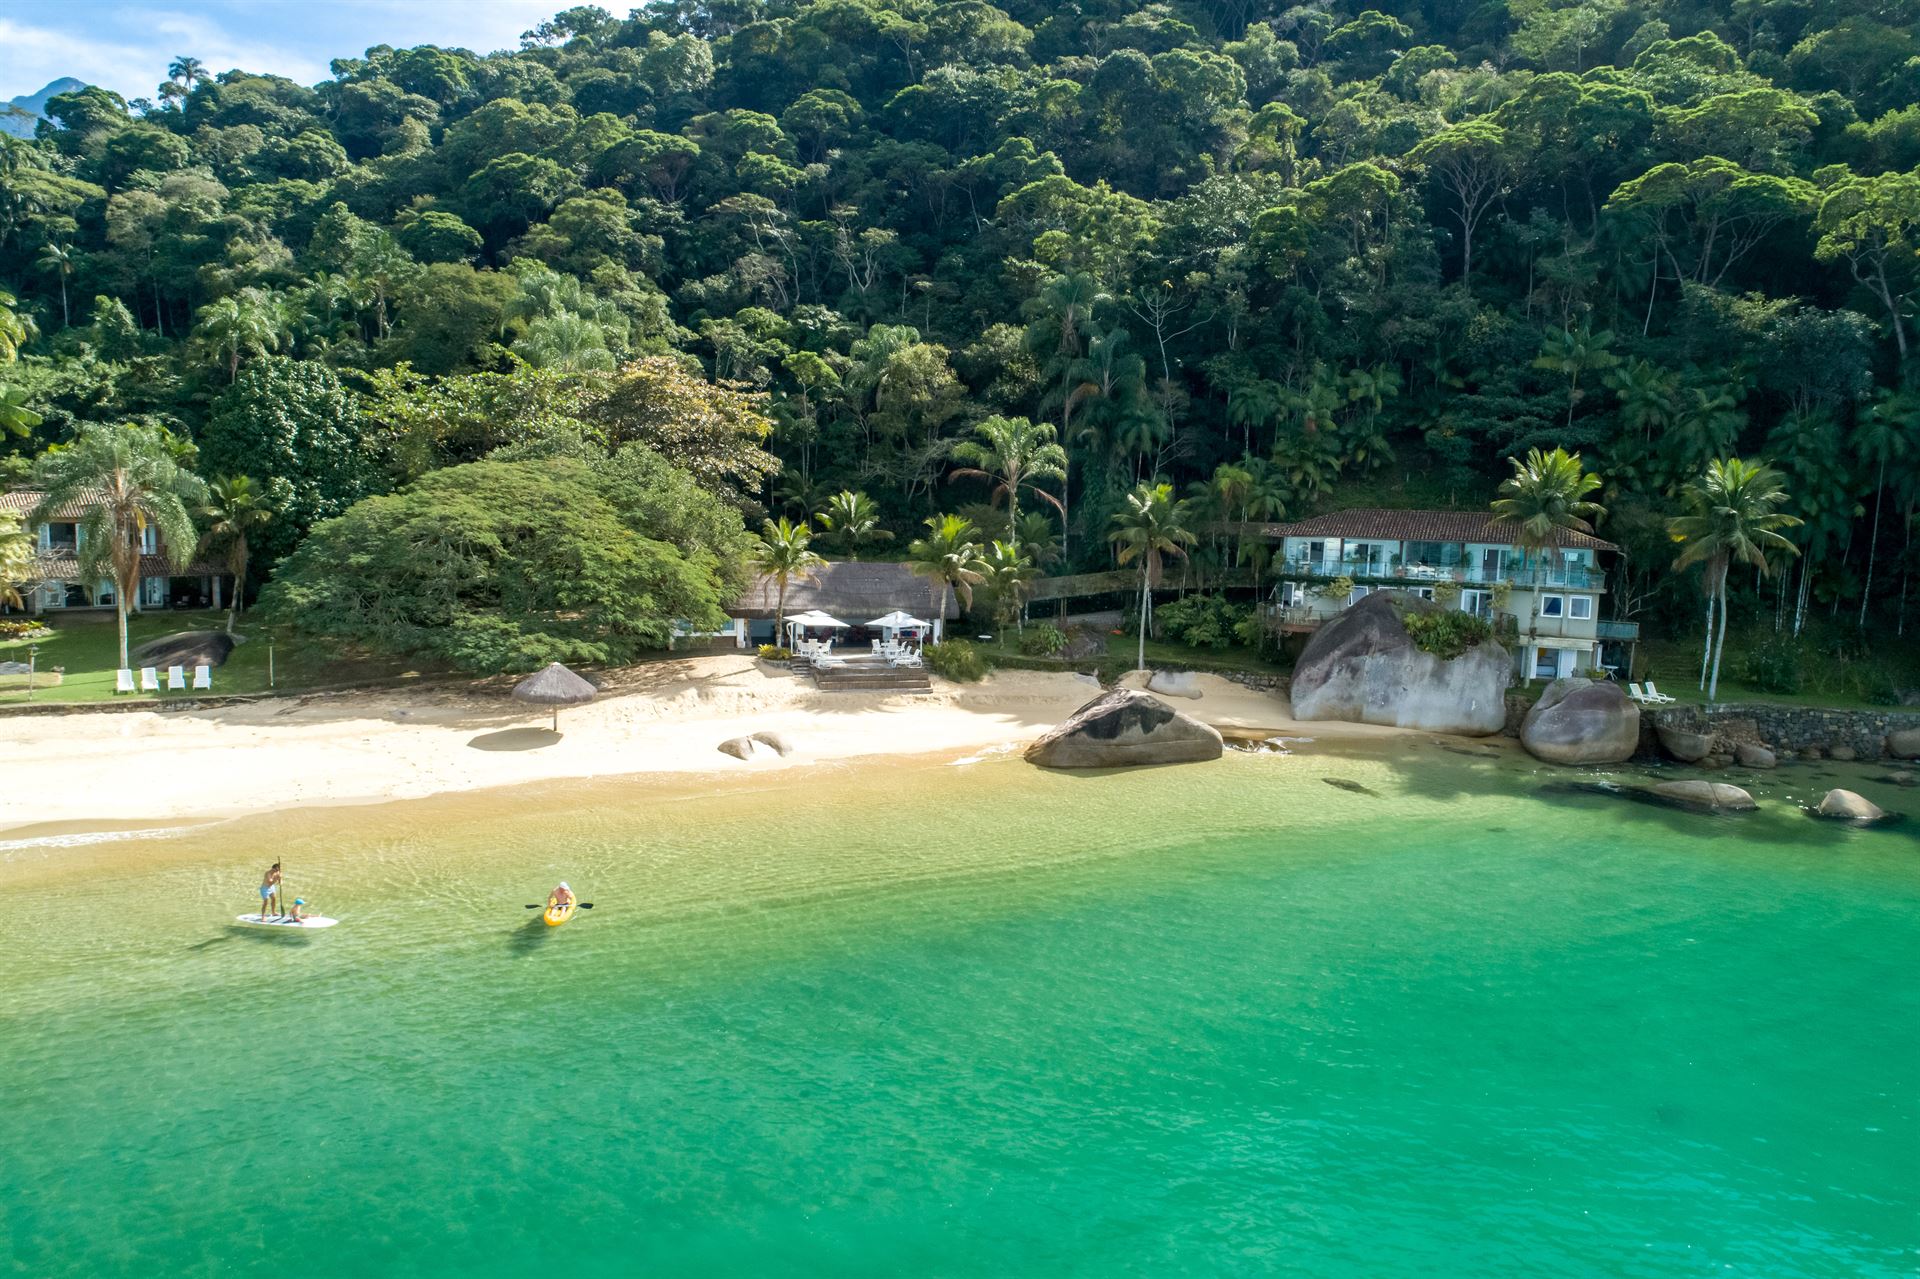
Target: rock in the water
point(1342, 783)
point(1812, 753)
point(1174, 684)
point(1904, 743)
point(1752, 756)
point(1845, 754)
point(778, 743)
point(1124, 727)
point(1363, 666)
point(1848, 806)
point(1899, 777)
point(1582, 721)
point(1715, 797)
point(738, 747)
point(1686, 746)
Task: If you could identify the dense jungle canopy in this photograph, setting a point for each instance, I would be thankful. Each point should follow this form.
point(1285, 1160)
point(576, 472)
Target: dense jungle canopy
point(1355, 255)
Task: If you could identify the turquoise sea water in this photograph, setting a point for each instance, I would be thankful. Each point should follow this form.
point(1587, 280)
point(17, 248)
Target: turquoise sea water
point(980, 1020)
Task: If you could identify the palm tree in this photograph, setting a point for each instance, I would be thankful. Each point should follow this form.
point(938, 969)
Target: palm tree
point(58, 260)
point(128, 481)
point(1008, 573)
point(784, 554)
point(950, 556)
point(1546, 494)
point(1012, 453)
point(851, 518)
point(245, 323)
point(1064, 310)
point(1151, 526)
point(185, 72)
point(16, 329)
point(1573, 352)
point(234, 508)
point(17, 548)
point(1733, 517)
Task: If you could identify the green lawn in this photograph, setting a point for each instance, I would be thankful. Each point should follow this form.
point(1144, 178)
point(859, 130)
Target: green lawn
point(1675, 668)
point(88, 647)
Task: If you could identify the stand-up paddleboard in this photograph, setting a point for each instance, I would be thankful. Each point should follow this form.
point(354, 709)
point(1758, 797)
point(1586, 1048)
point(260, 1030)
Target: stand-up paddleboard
point(285, 921)
point(556, 915)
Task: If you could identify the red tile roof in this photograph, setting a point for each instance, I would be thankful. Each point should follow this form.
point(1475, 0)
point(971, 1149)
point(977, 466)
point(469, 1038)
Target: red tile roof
point(22, 501)
point(60, 567)
point(1422, 526)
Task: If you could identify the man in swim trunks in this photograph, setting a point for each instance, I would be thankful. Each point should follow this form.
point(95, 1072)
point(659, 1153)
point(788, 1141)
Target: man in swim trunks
point(270, 891)
point(561, 896)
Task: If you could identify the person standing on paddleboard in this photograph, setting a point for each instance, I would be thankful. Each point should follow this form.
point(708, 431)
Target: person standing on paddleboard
point(270, 891)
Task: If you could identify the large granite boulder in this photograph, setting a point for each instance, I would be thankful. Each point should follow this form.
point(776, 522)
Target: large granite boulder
point(1904, 743)
point(1582, 721)
point(1752, 755)
point(1174, 684)
point(1362, 666)
point(1683, 744)
point(1712, 797)
point(1121, 728)
point(1848, 806)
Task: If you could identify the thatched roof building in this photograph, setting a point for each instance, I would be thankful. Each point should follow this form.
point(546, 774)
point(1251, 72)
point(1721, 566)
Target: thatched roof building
point(855, 591)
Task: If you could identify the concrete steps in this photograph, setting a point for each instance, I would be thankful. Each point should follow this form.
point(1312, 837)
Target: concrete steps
point(869, 677)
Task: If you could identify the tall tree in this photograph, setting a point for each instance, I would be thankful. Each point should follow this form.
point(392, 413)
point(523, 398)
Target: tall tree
point(235, 508)
point(1547, 494)
point(851, 519)
point(950, 555)
point(1733, 517)
point(127, 479)
point(1013, 453)
point(784, 552)
point(1150, 527)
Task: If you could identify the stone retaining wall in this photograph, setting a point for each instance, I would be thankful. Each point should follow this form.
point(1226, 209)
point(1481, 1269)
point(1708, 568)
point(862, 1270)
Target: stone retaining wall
point(1793, 728)
point(1281, 684)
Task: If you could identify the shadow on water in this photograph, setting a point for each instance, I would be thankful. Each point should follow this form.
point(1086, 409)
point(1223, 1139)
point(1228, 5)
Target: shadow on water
point(262, 936)
point(515, 739)
point(529, 937)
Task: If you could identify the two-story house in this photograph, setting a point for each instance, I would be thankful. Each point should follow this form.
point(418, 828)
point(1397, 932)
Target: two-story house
point(1546, 605)
point(57, 584)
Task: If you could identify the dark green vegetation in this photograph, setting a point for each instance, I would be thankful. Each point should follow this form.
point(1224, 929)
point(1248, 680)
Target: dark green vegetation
point(1446, 633)
point(1283, 259)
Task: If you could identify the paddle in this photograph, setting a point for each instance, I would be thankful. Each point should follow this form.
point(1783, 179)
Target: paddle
point(577, 905)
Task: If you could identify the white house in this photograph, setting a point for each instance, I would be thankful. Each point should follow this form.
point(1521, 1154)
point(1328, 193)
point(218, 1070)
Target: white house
point(57, 584)
point(1548, 602)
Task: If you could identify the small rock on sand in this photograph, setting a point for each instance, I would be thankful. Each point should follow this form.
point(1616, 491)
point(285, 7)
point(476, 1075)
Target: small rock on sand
point(779, 743)
point(738, 747)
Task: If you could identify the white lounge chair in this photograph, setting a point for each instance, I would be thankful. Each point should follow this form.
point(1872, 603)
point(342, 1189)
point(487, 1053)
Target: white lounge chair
point(1657, 697)
point(203, 677)
point(123, 681)
point(149, 679)
point(1634, 691)
point(176, 679)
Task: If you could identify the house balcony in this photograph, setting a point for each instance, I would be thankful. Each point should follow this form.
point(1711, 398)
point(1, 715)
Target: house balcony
point(1416, 575)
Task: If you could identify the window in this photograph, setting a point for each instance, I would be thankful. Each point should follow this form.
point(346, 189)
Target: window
point(149, 540)
point(1580, 607)
point(1553, 606)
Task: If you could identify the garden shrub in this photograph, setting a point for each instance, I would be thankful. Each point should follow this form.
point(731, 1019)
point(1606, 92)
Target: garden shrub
point(1446, 633)
point(1043, 640)
point(955, 660)
point(1772, 664)
point(1202, 621)
point(775, 653)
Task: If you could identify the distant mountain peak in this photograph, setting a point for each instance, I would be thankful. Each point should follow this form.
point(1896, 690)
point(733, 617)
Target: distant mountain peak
point(21, 114)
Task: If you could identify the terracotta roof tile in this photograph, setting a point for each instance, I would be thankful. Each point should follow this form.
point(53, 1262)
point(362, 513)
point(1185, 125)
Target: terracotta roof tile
point(1421, 526)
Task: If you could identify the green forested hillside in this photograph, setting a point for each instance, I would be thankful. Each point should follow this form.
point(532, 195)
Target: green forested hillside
point(1355, 255)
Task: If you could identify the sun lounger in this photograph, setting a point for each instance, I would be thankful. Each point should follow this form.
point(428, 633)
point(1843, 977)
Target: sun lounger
point(203, 677)
point(176, 679)
point(149, 679)
point(1656, 696)
point(1634, 691)
point(123, 681)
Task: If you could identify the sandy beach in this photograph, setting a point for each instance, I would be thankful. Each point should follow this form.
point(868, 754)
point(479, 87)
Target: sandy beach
point(668, 717)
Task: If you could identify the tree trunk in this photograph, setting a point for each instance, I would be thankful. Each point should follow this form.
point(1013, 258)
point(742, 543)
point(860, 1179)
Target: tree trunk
point(1719, 644)
point(1706, 653)
point(1873, 544)
point(1140, 662)
point(120, 608)
point(66, 319)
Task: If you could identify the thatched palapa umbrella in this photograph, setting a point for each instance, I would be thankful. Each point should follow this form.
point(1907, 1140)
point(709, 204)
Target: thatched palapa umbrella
point(555, 686)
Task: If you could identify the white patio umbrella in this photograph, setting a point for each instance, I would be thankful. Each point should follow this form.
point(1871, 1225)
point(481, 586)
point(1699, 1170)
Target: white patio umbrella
point(897, 621)
point(812, 617)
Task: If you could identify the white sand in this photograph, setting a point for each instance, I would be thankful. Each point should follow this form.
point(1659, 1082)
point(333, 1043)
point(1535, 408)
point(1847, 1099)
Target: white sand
point(667, 717)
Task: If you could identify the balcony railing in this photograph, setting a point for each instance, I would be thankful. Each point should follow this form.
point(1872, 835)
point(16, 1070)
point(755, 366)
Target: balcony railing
point(1575, 577)
point(1617, 630)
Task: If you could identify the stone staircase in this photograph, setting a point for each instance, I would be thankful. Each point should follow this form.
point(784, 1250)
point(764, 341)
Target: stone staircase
point(866, 675)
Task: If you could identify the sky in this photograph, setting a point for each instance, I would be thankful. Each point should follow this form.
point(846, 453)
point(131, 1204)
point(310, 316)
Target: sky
point(126, 46)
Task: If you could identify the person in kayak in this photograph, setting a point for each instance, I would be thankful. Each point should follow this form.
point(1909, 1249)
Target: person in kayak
point(270, 891)
point(561, 896)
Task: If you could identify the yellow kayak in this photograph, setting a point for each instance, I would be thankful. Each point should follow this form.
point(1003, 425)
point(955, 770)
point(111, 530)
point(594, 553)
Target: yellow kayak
point(556, 914)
